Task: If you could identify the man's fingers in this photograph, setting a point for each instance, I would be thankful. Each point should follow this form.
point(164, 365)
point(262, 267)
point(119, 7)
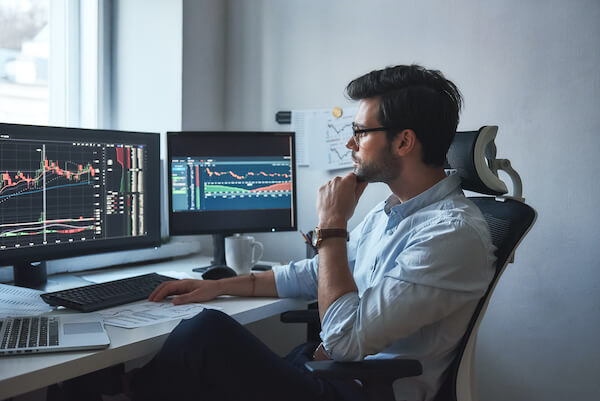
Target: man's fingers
point(359, 186)
point(168, 288)
point(153, 296)
point(182, 299)
point(187, 298)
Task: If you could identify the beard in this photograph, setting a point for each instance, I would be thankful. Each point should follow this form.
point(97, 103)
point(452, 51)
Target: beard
point(385, 167)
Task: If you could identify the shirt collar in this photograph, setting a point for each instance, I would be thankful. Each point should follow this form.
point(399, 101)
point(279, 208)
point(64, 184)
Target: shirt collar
point(439, 191)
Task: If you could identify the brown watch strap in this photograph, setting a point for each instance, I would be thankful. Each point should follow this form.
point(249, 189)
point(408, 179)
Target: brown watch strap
point(333, 232)
point(321, 234)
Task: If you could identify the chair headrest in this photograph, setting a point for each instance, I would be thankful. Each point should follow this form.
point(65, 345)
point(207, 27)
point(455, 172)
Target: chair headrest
point(471, 154)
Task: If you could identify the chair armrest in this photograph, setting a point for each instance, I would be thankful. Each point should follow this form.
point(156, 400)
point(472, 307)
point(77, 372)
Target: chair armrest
point(372, 369)
point(310, 316)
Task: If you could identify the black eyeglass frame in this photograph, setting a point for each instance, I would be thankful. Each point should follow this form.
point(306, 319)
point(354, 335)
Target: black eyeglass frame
point(356, 132)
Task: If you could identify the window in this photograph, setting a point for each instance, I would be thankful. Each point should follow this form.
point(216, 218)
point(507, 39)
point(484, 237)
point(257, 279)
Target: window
point(54, 60)
point(24, 54)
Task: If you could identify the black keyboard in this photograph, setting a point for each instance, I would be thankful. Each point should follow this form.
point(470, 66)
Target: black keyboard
point(104, 295)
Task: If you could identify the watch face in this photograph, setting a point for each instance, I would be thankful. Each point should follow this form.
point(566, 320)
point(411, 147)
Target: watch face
point(315, 237)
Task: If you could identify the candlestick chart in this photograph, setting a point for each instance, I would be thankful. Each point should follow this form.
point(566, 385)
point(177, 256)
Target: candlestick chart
point(57, 192)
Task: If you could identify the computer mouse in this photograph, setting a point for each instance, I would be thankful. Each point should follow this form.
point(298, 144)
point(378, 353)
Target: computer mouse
point(219, 272)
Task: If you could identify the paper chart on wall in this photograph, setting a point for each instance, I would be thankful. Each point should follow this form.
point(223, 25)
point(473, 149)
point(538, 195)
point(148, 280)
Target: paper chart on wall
point(339, 131)
point(322, 137)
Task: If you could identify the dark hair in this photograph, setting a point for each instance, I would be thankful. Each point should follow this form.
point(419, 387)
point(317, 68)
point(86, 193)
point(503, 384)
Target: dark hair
point(412, 97)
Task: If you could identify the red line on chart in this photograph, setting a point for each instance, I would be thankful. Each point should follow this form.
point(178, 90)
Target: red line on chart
point(74, 230)
point(120, 158)
point(286, 186)
point(68, 230)
point(81, 218)
point(250, 173)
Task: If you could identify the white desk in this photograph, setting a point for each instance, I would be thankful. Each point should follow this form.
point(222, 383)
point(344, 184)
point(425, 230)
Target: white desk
point(24, 373)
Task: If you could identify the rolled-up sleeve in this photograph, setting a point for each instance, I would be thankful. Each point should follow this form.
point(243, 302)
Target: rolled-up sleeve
point(444, 268)
point(298, 279)
point(301, 279)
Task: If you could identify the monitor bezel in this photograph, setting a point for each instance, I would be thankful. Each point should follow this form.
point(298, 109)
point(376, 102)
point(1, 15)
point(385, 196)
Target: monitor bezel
point(198, 230)
point(73, 249)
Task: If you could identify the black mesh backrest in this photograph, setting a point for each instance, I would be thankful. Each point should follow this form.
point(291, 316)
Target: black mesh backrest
point(509, 221)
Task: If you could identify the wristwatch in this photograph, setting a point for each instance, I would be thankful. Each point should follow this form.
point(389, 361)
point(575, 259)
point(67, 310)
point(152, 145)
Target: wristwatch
point(320, 234)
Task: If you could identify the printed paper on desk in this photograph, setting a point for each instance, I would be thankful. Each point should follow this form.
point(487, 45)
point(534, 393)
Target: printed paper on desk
point(147, 313)
point(18, 301)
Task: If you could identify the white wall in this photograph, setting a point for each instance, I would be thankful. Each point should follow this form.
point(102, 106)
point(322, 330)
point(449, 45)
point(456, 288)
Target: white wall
point(147, 68)
point(530, 67)
point(203, 65)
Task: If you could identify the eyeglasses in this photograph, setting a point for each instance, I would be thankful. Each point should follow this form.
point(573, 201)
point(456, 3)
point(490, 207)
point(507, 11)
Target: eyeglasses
point(358, 133)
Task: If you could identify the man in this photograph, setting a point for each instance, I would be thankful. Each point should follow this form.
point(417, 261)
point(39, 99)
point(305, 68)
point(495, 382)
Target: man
point(404, 285)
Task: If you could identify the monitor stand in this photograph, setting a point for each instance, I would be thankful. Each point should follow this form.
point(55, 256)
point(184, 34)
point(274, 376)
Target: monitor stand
point(218, 253)
point(30, 274)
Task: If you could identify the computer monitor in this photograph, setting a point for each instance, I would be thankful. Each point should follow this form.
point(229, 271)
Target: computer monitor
point(223, 183)
point(67, 192)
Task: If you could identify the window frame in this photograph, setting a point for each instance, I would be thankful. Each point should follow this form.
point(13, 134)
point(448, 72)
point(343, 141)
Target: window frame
point(79, 63)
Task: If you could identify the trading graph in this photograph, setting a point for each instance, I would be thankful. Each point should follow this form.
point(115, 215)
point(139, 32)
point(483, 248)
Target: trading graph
point(338, 154)
point(231, 183)
point(339, 131)
point(58, 191)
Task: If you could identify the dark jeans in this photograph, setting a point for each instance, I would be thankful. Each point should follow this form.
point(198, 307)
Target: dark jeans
point(212, 357)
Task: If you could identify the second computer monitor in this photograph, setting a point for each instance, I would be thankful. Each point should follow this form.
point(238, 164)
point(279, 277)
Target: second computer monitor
point(231, 182)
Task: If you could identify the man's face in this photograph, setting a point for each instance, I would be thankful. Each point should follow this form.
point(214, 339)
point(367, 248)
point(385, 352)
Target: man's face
point(372, 155)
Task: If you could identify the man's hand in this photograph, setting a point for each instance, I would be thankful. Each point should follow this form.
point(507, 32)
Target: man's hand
point(337, 200)
point(187, 291)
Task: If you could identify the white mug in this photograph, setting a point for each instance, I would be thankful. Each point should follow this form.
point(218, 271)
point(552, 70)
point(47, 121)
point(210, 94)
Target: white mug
point(242, 252)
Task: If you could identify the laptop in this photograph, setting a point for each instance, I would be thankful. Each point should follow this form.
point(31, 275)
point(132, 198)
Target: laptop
point(52, 333)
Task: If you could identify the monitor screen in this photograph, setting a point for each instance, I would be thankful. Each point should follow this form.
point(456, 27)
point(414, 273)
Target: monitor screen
point(67, 192)
point(231, 182)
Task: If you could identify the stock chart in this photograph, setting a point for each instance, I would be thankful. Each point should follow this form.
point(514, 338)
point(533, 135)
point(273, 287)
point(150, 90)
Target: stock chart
point(232, 183)
point(57, 192)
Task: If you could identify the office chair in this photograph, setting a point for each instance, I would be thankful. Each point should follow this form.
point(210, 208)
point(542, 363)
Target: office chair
point(473, 156)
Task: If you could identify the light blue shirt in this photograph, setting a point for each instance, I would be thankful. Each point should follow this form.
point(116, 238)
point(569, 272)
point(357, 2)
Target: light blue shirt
point(420, 267)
